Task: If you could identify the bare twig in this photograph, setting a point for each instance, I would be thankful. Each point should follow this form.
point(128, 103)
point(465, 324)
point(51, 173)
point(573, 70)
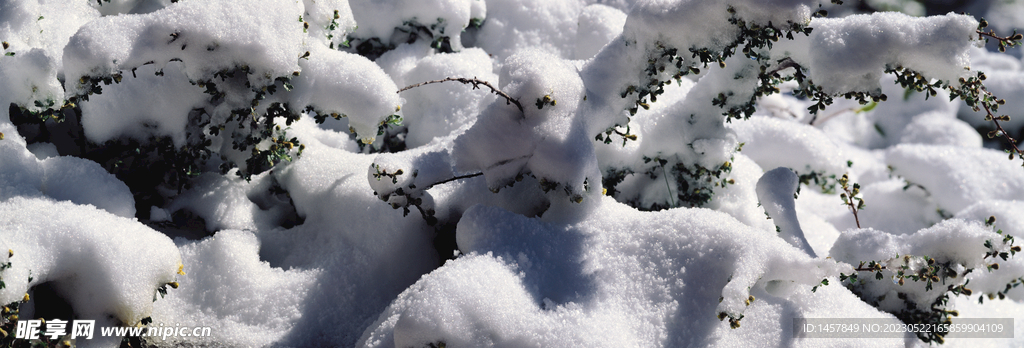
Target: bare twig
point(624, 135)
point(1001, 131)
point(467, 176)
point(1004, 41)
point(850, 197)
point(830, 116)
point(784, 64)
point(476, 85)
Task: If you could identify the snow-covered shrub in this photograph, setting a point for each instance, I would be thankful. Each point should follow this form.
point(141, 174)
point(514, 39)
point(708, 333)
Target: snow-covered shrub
point(426, 173)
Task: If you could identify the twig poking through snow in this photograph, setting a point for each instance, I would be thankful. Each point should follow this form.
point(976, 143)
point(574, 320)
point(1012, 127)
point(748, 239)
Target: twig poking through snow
point(476, 85)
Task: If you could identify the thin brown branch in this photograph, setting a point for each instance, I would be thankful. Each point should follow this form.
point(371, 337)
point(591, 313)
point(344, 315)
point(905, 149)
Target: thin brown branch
point(467, 176)
point(850, 196)
point(784, 64)
point(853, 207)
point(624, 135)
point(1009, 139)
point(868, 269)
point(1004, 41)
point(476, 85)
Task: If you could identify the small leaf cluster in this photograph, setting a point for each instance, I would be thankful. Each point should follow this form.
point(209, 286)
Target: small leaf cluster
point(4, 266)
point(849, 197)
point(408, 195)
point(1003, 254)
point(929, 272)
point(546, 100)
point(409, 32)
point(248, 127)
point(606, 137)
point(752, 40)
point(974, 94)
point(824, 282)
point(388, 122)
point(694, 185)
point(7, 46)
point(915, 81)
point(734, 320)
point(45, 110)
point(1004, 41)
point(379, 174)
point(9, 313)
point(917, 269)
point(331, 27)
point(1001, 294)
point(826, 182)
point(280, 150)
point(9, 323)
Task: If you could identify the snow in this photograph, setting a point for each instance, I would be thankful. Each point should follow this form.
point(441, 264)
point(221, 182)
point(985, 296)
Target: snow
point(218, 267)
point(808, 149)
point(620, 277)
point(957, 241)
point(477, 223)
point(514, 25)
point(921, 44)
point(172, 96)
point(64, 179)
point(107, 267)
point(598, 25)
point(349, 84)
point(37, 33)
point(206, 36)
point(427, 119)
point(775, 190)
point(547, 139)
point(970, 174)
point(382, 17)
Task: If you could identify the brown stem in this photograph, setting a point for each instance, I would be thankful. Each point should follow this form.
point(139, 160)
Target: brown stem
point(467, 176)
point(853, 206)
point(784, 64)
point(1007, 40)
point(868, 269)
point(476, 85)
point(1009, 139)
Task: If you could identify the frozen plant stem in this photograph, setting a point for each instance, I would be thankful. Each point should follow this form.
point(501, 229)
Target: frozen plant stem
point(467, 176)
point(850, 196)
point(476, 85)
point(1001, 131)
point(1004, 42)
point(667, 186)
point(784, 64)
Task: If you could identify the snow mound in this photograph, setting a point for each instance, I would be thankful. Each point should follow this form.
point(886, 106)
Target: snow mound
point(72, 179)
point(244, 300)
point(971, 174)
point(547, 139)
point(207, 36)
point(108, 268)
point(620, 277)
point(936, 46)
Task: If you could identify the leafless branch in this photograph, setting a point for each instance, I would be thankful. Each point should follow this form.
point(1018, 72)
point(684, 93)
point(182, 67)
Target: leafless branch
point(476, 85)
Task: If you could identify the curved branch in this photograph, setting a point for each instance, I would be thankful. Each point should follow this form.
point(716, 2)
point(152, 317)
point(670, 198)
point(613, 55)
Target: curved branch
point(476, 85)
point(1004, 41)
point(467, 176)
point(1009, 139)
point(785, 63)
